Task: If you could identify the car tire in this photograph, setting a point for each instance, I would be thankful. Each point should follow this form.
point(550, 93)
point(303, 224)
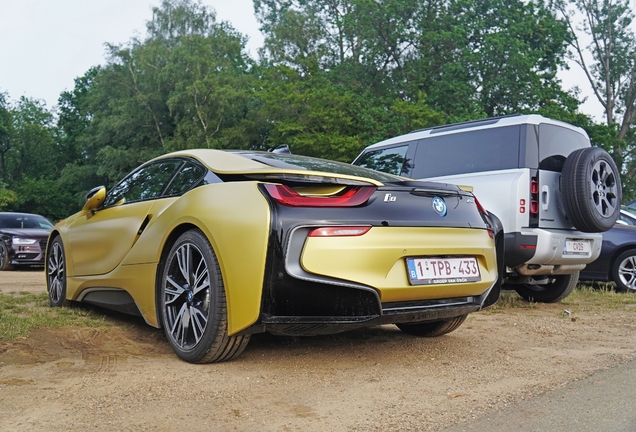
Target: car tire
point(432, 328)
point(56, 273)
point(624, 271)
point(558, 288)
point(4, 258)
point(591, 189)
point(193, 304)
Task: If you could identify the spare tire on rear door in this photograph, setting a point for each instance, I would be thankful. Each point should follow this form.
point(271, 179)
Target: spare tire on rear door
point(591, 189)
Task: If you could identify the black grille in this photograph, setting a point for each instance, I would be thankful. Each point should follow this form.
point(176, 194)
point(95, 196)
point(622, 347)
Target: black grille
point(43, 245)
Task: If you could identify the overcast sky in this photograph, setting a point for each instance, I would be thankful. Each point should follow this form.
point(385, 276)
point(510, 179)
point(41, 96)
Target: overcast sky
point(46, 44)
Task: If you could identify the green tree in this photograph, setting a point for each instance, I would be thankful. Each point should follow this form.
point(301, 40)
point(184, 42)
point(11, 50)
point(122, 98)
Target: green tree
point(186, 84)
point(7, 197)
point(471, 58)
point(611, 73)
point(28, 157)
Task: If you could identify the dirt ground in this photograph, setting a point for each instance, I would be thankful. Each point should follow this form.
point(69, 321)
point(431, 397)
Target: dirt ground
point(378, 379)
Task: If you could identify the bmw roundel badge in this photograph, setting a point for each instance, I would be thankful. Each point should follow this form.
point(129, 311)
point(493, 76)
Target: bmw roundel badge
point(439, 206)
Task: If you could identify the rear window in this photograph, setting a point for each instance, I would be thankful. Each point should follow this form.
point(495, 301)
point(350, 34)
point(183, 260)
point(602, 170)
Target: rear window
point(298, 162)
point(556, 143)
point(467, 152)
point(389, 160)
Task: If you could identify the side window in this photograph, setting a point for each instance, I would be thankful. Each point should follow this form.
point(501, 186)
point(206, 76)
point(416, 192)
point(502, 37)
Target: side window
point(389, 160)
point(185, 179)
point(145, 183)
point(467, 152)
point(627, 219)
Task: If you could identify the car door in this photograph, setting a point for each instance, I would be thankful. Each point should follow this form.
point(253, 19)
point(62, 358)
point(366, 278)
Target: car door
point(100, 242)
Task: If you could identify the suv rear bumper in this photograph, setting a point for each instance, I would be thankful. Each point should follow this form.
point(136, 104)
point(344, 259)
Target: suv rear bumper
point(536, 251)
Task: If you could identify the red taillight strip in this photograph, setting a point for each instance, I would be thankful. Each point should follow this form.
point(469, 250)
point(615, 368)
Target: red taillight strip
point(484, 214)
point(352, 197)
point(480, 208)
point(340, 231)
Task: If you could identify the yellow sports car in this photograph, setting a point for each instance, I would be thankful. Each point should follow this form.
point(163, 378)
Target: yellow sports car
point(214, 246)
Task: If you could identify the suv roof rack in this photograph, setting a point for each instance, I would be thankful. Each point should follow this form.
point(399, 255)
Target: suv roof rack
point(465, 124)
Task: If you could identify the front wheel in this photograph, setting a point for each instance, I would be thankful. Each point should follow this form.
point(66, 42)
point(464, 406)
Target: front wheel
point(4, 258)
point(557, 288)
point(193, 306)
point(624, 271)
point(432, 328)
point(56, 273)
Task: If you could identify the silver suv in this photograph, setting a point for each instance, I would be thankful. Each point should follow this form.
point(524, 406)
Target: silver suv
point(553, 192)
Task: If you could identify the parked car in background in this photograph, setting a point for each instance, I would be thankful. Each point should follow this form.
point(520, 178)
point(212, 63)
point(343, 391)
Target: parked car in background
point(23, 238)
point(617, 261)
point(214, 246)
point(553, 192)
point(630, 206)
point(627, 217)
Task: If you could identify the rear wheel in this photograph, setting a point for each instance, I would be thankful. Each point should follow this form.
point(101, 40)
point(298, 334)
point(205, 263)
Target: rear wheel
point(432, 328)
point(56, 273)
point(193, 306)
point(4, 258)
point(557, 288)
point(624, 271)
point(591, 189)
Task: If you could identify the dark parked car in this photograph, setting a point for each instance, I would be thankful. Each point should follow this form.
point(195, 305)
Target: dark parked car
point(630, 206)
point(617, 261)
point(23, 238)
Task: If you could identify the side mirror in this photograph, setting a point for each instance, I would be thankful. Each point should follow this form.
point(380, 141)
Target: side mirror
point(621, 222)
point(94, 200)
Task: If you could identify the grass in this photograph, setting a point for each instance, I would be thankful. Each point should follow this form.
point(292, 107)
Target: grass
point(586, 296)
point(22, 313)
point(600, 296)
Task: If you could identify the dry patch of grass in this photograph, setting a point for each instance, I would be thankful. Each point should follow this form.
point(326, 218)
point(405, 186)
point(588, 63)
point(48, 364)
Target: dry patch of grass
point(600, 296)
point(20, 313)
point(593, 297)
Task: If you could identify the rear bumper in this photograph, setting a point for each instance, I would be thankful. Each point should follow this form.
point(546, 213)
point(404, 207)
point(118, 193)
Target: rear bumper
point(386, 313)
point(542, 251)
point(346, 288)
point(378, 259)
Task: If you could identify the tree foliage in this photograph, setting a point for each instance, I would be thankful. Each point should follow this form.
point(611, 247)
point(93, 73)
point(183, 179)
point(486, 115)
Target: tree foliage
point(608, 24)
point(472, 58)
point(332, 77)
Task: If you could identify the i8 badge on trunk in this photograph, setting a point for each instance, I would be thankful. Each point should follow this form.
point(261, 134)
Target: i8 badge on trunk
point(439, 206)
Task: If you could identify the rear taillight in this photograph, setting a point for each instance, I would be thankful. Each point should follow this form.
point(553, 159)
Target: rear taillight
point(484, 215)
point(534, 196)
point(351, 197)
point(339, 231)
point(534, 187)
point(480, 207)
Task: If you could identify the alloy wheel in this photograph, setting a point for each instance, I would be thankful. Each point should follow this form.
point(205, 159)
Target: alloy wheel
point(187, 294)
point(56, 272)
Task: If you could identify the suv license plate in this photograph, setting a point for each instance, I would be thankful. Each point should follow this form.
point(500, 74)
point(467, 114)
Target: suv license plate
point(577, 247)
point(434, 270)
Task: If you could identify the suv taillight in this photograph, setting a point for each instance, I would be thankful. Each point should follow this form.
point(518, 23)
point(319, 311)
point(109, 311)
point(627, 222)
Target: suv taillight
point(534, 196)
point(534, 186)
point(350, 197)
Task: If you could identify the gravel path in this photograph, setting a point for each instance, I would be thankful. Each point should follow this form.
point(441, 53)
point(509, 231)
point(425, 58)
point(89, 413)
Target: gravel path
point(378, 379)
